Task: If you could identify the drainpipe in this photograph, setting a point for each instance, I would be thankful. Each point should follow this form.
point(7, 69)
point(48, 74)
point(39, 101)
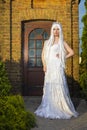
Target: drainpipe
point(72, 81)
point(72, 3)
point(10, 31)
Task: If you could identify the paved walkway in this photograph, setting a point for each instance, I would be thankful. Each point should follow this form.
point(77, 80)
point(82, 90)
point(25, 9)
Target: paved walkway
point(79, 123)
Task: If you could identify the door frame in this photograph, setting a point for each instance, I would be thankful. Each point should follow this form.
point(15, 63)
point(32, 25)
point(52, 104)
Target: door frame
point(24, 52)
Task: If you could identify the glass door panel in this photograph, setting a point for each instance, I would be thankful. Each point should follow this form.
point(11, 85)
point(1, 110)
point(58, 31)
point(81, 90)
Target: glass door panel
point(36, 38)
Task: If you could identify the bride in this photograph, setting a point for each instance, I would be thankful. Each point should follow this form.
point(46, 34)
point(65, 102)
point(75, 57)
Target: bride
point(56, 101)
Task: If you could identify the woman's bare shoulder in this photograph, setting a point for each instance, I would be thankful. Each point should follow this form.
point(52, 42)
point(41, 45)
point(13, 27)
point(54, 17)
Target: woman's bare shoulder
point(68, 48)
point(66, 44)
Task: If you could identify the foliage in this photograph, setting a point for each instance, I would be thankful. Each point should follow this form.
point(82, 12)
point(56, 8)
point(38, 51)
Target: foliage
point(4, 82)
point(13, 115)
point(83, 65)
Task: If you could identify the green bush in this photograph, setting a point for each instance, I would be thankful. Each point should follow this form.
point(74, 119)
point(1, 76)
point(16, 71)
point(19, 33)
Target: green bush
point(4, 82)
point(13, 115)
point(83, 84)
point(83, 65)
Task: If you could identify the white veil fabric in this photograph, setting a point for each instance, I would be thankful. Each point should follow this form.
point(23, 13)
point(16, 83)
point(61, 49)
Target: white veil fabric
point(56, 102)
point(50, 41)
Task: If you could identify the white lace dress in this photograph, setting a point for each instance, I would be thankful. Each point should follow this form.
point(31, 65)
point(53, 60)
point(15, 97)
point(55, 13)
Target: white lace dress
point(56, 102)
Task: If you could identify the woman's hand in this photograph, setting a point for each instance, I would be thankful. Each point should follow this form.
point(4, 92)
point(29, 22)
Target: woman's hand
point(44, 68)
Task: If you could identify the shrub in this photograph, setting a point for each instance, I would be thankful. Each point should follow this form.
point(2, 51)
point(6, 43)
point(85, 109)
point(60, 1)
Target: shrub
point(4, 81)
point(83, 84)
point(13, 115)
point(83, 65)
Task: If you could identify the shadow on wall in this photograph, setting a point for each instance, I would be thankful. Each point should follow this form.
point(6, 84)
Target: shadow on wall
point(15, 73)
point(75, 90)
point(74, 86)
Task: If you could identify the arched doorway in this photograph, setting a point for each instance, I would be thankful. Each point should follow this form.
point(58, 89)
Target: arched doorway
point(35, 33)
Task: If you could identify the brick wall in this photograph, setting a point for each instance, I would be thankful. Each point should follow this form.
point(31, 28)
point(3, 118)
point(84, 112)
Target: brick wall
point(13, 13)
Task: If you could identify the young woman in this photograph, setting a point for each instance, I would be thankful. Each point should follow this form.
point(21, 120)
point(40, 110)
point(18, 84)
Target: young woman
point(56, 101)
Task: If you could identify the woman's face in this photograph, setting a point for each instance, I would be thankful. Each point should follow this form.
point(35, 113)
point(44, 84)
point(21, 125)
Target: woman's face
point(56, 31)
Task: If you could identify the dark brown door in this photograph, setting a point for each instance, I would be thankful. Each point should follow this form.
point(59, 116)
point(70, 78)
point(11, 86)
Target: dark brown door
point(34, 35)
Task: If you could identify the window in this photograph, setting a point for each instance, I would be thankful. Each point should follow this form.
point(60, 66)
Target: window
point(35, 45)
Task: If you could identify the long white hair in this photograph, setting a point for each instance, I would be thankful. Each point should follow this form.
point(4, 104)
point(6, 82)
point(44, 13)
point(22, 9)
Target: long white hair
point(62, 52)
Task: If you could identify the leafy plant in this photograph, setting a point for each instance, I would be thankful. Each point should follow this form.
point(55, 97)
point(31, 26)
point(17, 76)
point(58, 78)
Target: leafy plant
point(83, 65)
point(4, 81)
point(13, 115)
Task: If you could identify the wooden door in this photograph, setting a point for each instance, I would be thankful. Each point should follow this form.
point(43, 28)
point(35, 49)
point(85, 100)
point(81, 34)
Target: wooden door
point(34, 35)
